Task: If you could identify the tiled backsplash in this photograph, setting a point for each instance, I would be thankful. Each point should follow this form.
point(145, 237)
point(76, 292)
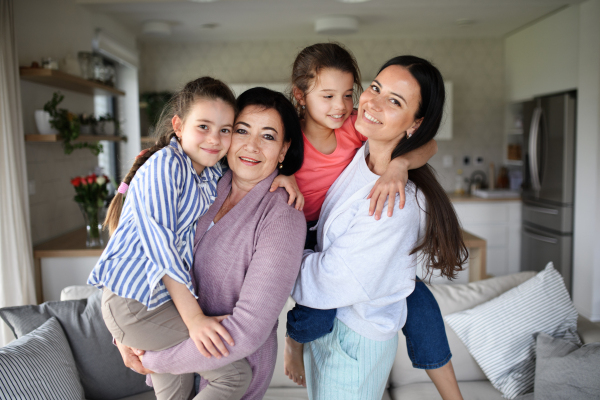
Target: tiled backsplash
point(475, 66)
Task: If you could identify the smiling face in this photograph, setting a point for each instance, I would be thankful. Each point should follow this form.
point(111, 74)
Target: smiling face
point(386, 110)
point(205, 133)
point(329, 101)
point(257, 144)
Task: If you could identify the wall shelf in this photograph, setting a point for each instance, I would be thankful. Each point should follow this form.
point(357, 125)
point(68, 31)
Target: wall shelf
point(148, 139)
point(66, 81)
point(81, 138)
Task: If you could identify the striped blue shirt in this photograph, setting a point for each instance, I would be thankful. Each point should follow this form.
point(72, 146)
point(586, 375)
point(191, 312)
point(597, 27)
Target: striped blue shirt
point(156, 230)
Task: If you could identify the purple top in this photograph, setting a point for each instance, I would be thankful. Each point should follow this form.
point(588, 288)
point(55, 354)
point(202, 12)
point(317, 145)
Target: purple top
point(245, 266)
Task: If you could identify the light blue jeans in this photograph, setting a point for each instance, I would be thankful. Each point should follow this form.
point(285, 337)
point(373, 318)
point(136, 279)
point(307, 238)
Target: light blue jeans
point(344, 365)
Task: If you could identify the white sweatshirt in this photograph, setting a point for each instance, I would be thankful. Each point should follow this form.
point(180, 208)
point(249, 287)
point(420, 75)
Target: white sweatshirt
point(361, 266)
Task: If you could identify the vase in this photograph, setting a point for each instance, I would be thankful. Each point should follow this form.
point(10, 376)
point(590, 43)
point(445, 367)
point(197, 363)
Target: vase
point(94, 217)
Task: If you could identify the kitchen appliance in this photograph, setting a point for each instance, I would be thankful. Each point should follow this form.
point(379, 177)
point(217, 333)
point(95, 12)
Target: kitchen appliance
point(548, 183)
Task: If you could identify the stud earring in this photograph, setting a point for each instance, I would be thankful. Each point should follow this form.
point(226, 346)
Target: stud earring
point(280, 166)
point(409, 135)
point(303, 107)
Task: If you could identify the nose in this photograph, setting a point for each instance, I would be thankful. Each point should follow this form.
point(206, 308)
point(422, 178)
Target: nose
point(339, 104)
point(374, 103)
point(253, 143)
point(214, 137)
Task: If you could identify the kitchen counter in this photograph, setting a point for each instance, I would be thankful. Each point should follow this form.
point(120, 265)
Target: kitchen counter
point(465, 198)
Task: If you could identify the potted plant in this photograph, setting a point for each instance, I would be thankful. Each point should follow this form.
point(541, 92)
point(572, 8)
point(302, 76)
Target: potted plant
point(87, 124)
point(107, 125)
point(90, 194)
point(68, 126)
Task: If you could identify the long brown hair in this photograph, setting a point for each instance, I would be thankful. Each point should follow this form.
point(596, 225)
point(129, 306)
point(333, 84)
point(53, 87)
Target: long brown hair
point(180, 104)
point(313, 59)
point(443, 247)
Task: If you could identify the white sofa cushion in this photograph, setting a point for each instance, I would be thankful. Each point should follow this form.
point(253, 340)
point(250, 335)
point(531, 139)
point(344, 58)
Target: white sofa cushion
point(476, 390)
point(499, 333)
point(452, 298)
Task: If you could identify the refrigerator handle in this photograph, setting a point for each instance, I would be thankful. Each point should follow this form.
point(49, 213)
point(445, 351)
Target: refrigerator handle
point(541, 238)
point(534, 133)
point(543, 210)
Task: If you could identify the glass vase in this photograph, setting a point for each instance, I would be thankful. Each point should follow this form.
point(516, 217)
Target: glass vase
point(94, 217)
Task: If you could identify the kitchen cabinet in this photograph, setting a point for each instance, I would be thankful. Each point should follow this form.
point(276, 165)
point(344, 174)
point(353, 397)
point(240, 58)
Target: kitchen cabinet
point(499, 223)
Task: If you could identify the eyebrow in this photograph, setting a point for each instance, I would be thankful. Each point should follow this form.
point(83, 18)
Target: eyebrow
point(395, 94)
point(333, 90)
point(265, 128)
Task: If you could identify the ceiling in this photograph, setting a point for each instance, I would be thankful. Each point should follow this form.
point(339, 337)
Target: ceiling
point(238, 20)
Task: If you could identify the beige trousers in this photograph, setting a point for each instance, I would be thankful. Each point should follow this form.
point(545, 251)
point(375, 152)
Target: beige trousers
point(132, 324)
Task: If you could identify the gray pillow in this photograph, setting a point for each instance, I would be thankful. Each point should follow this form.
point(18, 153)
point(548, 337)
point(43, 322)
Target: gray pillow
point(40, 366)
point(563, 370)
point(101, 369)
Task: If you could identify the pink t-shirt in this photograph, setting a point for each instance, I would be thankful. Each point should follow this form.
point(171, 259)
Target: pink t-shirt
point(319, 170)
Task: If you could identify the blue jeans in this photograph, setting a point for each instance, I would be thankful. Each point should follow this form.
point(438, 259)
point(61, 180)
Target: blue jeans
point(424, 330)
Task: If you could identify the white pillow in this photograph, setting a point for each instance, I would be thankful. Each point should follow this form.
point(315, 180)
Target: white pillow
point(499, 333)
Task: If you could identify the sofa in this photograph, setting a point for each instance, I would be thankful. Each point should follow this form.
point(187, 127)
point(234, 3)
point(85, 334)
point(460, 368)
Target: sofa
point(406, 382)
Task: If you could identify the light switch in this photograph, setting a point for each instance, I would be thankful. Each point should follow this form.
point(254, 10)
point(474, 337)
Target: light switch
point(447, 161)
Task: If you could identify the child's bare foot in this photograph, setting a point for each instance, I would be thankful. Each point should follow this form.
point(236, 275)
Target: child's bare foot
point(293, 362)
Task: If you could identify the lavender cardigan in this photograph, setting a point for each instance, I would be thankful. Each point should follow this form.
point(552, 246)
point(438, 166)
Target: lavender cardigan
point(245, 266)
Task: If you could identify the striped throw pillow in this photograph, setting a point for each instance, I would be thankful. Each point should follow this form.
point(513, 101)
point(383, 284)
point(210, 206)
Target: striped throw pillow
point(40, 366)
point(499, 333)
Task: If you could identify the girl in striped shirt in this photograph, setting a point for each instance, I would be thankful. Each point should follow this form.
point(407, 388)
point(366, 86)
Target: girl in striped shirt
point(148, 299)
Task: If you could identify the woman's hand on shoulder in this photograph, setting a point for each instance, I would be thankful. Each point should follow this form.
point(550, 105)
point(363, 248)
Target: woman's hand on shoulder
point(132, 358)
point(208, 334)
point(290, 186)
point(392, 182)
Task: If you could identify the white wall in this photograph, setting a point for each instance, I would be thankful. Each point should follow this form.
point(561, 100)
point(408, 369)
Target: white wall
point(559, 53)
point(55, 28)
point(474, 66)
point(543, 58)
point(586, 276)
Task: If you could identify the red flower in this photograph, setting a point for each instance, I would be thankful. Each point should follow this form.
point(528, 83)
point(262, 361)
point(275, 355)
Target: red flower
point(76, 181)
point(91, 179)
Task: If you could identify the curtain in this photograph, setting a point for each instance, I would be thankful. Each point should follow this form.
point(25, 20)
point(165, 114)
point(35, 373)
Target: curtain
point(16, 259)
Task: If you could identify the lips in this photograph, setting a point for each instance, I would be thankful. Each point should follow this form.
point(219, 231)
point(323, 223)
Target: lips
point(211, 151)
point(336, 116)
point(249, 161)
point(371, 118)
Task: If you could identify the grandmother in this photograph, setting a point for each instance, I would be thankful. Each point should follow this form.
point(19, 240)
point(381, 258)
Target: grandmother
point(248, 246)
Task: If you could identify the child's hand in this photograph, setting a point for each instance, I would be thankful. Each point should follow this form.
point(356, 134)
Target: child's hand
point(290, 186)
point(393, 181)
point(205, 331)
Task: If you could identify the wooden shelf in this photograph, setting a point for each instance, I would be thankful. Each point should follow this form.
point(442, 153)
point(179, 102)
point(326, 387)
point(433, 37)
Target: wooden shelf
point(81, 138)
point(147, 139)
point(66, 81)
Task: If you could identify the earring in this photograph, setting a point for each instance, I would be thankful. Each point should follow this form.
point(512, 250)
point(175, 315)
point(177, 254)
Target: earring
point(409, 135)
point(280, 166)
point(303, 107)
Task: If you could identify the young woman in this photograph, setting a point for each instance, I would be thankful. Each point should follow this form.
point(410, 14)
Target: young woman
point(325, 82)
point(366, 268)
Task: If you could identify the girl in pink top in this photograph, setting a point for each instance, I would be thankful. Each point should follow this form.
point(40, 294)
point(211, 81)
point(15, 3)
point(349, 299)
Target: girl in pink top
point(325, 85)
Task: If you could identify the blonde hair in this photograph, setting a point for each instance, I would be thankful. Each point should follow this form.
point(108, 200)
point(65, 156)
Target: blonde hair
point(180, 104)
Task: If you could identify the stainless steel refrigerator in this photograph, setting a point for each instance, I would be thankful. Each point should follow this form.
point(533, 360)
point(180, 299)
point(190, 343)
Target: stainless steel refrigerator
point(548, 183)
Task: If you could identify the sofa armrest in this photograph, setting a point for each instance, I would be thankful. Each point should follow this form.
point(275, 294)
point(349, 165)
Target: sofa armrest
point(589, 331)
point(77, 292)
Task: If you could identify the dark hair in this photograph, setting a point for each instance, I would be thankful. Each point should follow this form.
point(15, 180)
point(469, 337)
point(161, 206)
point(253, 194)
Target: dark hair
point(180, 104)
point(312, 59)
point(292, 133)
point(443, 247)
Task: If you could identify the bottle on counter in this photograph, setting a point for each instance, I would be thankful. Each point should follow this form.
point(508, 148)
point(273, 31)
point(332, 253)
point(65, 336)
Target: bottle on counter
point(458, 182)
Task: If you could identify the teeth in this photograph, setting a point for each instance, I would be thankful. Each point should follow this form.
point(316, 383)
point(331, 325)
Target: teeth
point(249, 160)
point(338, 116)
point(372, 118)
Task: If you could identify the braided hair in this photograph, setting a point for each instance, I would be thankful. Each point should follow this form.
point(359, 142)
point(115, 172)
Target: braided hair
point(180, 104)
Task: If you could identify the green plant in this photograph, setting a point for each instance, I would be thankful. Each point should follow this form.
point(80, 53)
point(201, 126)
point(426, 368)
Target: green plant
point(68, 126)
point(154, 102)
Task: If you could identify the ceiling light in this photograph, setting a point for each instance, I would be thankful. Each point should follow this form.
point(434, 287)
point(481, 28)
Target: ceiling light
point(156, 28)
point(336, 25)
